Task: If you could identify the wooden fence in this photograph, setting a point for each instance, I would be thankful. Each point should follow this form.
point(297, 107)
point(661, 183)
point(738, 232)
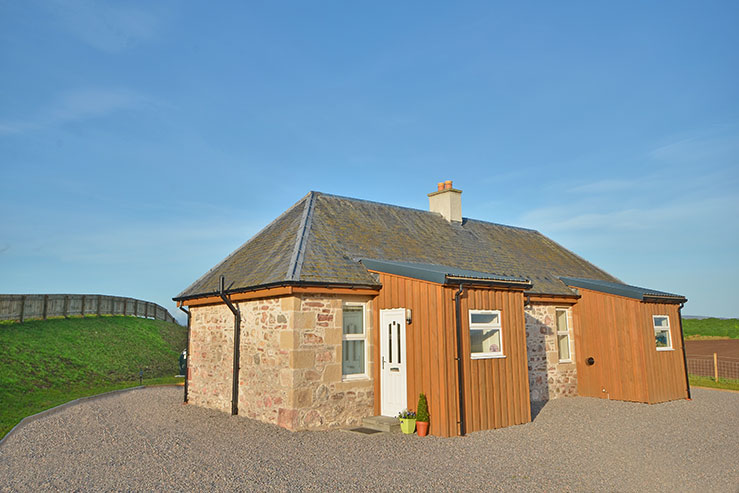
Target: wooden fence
point(714, 366)
point(21, 307)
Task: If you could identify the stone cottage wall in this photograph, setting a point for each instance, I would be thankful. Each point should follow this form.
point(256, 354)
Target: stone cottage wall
point(290, 371)
point(319, 397)
point(262, 359)
point(548, 378)
point(211, 357)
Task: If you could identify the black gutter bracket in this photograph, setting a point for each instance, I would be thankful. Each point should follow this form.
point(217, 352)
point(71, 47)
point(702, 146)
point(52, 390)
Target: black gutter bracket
point(237, 343)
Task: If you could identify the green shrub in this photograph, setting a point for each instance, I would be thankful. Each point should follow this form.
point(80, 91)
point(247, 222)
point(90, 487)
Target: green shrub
point(422, 413)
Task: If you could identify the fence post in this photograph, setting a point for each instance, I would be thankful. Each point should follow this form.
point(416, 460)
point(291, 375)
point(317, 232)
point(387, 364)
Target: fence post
point(83, 306)
point(125, 305)
point(23, 307)
point(66, 305)
point(46, 302)
point(99, 299)
point(715, 366)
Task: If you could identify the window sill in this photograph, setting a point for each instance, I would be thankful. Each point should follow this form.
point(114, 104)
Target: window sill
point(487, 356)
point(665, 349)
point(565, 362)
point(354, 378)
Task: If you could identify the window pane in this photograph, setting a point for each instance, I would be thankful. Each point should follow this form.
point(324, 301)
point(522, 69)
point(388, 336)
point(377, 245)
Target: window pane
point(561, 320)
point(662, 338)
point(353, 320)
point(563, 341)
point(352, 361)
point(484, 318)
point(485, 341)
point(661, 322)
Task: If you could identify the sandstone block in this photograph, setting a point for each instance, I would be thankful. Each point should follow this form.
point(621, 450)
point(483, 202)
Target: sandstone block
point(290, 303)
point(287, 418)
point(300, 398)
point(289, 339)
point(333, 336)
point(304, 320)
point(302, 359)
point(332, 373)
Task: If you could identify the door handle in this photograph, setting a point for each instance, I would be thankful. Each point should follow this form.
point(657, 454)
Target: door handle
point(383, 362)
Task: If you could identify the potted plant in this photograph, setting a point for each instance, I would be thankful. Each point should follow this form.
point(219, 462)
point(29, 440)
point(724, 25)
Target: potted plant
point(422, 416)
point(407, 421)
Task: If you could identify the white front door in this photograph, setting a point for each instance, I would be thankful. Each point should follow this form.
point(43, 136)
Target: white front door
point(393, 382)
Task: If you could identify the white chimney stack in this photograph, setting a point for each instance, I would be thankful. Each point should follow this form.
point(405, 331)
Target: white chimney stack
point(447, 201)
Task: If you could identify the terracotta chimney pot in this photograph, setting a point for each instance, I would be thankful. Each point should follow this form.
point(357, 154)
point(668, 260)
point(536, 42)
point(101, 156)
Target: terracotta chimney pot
point(447, 184)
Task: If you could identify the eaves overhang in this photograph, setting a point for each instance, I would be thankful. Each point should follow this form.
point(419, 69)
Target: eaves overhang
point(443, 274)
point(626, 290)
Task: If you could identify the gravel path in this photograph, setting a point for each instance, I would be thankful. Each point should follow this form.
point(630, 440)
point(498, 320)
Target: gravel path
point(147, 440)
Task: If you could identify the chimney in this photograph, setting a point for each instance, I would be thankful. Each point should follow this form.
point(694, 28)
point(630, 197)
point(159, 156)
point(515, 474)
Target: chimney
point(447, 201)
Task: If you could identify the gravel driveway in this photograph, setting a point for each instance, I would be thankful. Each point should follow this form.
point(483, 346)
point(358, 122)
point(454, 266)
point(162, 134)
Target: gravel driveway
point(147, 440)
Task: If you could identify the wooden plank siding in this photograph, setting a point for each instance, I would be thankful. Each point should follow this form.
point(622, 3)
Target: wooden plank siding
point(496, 390)
point(618, 333)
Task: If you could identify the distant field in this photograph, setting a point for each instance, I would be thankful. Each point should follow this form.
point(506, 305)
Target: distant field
point(711, 327)
point(44, 363)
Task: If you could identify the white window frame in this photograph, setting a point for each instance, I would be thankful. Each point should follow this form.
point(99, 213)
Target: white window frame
point(487, 326)
point(669, 332)
point(567, 333)
point(355, 337)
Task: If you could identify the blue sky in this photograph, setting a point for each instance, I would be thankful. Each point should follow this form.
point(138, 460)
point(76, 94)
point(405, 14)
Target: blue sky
point(141, 142)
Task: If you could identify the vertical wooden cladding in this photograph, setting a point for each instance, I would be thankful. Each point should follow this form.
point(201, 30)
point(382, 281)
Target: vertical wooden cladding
point(618, 334)
point(496, 390)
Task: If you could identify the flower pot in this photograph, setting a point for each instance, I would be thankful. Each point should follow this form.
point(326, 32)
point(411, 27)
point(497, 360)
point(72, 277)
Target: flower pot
point(422, 427)
point(407, 425)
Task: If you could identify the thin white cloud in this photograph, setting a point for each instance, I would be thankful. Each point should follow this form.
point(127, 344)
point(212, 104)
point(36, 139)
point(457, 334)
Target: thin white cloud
point(106, 26)
point(607, 186)
point(698, 150)
point(76, 105)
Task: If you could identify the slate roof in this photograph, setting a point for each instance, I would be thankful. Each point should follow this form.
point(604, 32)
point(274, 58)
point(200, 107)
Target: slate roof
point(321, 239)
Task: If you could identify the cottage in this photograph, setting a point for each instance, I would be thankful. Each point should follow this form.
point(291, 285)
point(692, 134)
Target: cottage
point(344, 308)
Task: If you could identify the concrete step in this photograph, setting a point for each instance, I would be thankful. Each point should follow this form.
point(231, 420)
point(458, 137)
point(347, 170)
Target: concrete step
point(382, 423)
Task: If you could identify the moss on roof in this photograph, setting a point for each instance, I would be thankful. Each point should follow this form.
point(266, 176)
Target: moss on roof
point(321, 237)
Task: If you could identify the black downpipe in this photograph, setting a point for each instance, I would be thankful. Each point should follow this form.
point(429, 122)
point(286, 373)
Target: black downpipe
point(187, 356)
point(237, 356)
point(460, 364)
point(682, 341)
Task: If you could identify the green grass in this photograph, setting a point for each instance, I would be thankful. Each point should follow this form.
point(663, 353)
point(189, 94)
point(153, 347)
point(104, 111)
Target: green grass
point(46, 363)
point(723, 383)
point(712, 327)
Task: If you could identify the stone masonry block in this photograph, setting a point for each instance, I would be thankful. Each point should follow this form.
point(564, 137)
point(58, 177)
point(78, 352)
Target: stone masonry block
point(300, 398)
point(302, 359)
point(333, 336)
point(304, 320)
point(289, 339)
point(290, 304)
point(332, 373)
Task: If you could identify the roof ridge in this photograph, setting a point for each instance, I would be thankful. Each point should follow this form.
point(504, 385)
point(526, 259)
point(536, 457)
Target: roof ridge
point(296, 204)
point(466, 219)
point(296, 261)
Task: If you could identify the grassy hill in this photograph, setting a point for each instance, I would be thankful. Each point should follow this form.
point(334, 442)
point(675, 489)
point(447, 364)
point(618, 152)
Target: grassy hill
point(711, 327)
point(44, 363)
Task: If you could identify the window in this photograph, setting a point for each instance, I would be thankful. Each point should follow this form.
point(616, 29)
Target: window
point(353, 344)
point(662, 332)
point(563, 336)
point(486, 335)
